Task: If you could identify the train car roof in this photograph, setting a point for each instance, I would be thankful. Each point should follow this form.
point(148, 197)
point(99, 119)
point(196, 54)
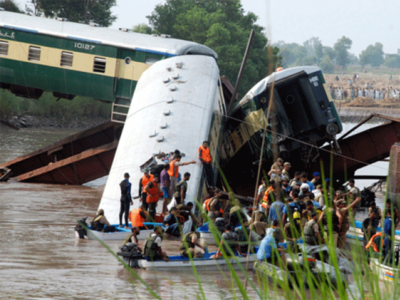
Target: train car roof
point(102, 35)
point(276, 76)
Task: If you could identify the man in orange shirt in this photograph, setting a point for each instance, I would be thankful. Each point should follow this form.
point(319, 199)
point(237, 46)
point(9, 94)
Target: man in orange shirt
point(147, 177)
point(153, 194)
point(206, 160)
point(173, 171)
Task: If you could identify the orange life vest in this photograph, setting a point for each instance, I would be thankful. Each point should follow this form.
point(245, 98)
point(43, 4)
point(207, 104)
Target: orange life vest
point(146, 180)
point(135, 217)
point(154, 192)
point(265, 197)
point(173, 171)
point(205, 154)
point(372, 243)
point(207, 203)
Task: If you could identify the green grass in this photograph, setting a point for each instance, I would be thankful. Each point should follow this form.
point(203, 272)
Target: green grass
point(48, 106)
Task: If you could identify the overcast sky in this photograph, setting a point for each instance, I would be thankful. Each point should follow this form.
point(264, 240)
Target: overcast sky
point(365, 22)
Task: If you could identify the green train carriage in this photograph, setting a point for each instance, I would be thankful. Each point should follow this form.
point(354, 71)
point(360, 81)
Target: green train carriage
point(70, 59)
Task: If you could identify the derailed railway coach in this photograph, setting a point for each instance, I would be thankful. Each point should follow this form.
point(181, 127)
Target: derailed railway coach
point(302, 118)
point(73, 59)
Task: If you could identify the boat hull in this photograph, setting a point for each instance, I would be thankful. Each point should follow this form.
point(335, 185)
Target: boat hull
point(120, 234)
point(385, 273)
point(178, 262)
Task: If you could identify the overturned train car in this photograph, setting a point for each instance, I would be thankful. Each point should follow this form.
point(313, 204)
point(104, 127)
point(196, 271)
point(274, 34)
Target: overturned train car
point(302, 118)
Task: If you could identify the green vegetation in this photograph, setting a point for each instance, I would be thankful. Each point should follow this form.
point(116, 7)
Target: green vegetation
point(223, 26)
point(9, 5)
point(47, 106)
point(373, 55)
point(86, 11)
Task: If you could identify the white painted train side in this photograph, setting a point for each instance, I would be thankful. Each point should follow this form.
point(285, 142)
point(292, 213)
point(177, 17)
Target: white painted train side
point(178, 103)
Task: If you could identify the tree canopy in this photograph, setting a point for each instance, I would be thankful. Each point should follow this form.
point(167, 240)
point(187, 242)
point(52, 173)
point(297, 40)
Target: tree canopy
point(341, 48)
point(86, 11)
point(223, 26)
point(373, 55)
point(9, 5)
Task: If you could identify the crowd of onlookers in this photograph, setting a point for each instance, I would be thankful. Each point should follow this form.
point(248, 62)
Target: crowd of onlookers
point(353, 90)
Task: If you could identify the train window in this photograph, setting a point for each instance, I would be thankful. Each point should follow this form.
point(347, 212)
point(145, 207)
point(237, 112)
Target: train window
point(99, 65)
point(3, 48)
point(151, 60)
point(34, 53)
point(239, 134)
point(66, 59)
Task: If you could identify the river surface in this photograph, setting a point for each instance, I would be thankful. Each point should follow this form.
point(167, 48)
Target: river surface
point(42, 259)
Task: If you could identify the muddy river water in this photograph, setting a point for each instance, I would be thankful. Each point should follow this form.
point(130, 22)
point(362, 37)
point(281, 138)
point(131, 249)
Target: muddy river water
point(42, 259)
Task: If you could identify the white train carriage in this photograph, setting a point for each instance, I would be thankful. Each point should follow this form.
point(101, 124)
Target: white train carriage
point(178, 103)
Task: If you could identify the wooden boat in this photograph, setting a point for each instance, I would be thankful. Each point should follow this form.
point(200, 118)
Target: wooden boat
point(178, 262)
point(119, 234)
point(5, 174)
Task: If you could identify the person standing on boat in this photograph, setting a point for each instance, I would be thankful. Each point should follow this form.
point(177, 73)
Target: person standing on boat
point(165, 187)
point(311, 208)
point(275, 212)
point(181, 189)
point(344, 227)
point(396, 213)
point(268, 251)
point(153, 194)
point(152, 246)
point(369, 226)
point(126, 200)
point(277, 165)
point(373, 208)
point(188, 245)
point(146, 178)
point(175, 223)
point(214, 207)
point(312, 235)
point(206, 160)
point(173, 171)
point(354, 193)
point(295, 181)
point(388, 230)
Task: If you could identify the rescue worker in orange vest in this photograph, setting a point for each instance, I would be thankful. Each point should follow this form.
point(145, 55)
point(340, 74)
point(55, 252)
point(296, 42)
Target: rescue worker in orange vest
point(138, 216)
point(173, 171)
point(206, 160)
point(153, 194)
point(376, 242)
point(147, 177)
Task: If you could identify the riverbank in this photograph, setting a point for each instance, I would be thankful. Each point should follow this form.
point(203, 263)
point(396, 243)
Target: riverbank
point(357, 114)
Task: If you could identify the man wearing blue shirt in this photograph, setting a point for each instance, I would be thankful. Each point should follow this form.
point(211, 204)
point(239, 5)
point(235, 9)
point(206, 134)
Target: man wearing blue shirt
point(269, 251)
point(304, 179)
point(388, 230)
point(275, 212)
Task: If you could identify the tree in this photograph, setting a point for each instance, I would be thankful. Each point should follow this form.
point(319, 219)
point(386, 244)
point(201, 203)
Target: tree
point(326, 64)
point(373, 55)
point(310, 45)
point(330, 52)
point(341, 48)
point(392, 61)
point(85, 11)
point(142, 28)
point(223, 26)
point(9, 5)
point(319, 52)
